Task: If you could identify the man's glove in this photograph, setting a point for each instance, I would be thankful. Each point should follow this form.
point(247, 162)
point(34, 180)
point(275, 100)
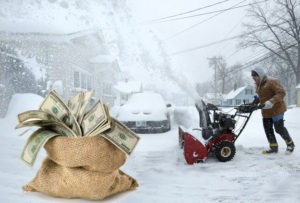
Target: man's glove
point(255, 99)
point(268, 105)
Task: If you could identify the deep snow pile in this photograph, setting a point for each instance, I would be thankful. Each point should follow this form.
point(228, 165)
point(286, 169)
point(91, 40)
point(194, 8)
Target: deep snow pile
point(159, 166)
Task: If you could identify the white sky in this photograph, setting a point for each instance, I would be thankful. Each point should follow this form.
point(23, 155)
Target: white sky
point(225, 25)
point(194, 64)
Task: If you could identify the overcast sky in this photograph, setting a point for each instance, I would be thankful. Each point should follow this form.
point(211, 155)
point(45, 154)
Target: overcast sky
point(63, 17)
point(224, 25)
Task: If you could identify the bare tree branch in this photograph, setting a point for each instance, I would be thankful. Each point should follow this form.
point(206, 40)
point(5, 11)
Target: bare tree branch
point(281, 29)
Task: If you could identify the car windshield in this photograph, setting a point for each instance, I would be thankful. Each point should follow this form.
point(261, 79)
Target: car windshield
point(144, 106)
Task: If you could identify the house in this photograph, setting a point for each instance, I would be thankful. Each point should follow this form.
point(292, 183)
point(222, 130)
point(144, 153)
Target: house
point(239, 96)
point(298, 95)
point(213, 98)
point(73, 62)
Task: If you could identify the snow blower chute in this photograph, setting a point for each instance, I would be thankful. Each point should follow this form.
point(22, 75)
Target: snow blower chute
point(218, 131)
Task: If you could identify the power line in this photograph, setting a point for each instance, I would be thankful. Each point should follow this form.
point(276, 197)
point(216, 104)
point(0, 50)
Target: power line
point(214, 43)
point(222, 40)
point(178, 33)
point(191, 11)
point(272, 47)
point(232, 29)
point(263, 52)
point(260, 59)
point(253, 56)
point(217, 11)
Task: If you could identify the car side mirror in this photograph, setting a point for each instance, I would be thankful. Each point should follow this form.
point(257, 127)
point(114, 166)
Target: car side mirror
point(168, 105)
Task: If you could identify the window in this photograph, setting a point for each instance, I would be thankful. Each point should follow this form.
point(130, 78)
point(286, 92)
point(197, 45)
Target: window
point(83, 80)
point(230, 101)
point(106, 88)
point(237, 102)
point(76, 79)
point(89, 82)
point(249, 91)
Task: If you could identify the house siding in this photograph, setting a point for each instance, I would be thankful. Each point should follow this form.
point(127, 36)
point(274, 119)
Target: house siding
point(298, 98)
point(62, 54)
point(240, 97)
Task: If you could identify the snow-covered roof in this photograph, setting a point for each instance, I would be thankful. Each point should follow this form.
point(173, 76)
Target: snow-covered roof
point(210, 95)
point(102, 58)
point(233, 93)
point(52, 37)
point(298, 86)
point(128, 87)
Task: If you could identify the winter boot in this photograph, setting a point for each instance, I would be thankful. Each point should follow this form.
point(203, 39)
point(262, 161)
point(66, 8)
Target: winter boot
point(268, 126)
point(290, 148)
point(272, 150)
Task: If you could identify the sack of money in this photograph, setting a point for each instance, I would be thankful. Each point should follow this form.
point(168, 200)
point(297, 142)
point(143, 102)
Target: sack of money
point(91, 153)
point(84, 149)
point(83, 175)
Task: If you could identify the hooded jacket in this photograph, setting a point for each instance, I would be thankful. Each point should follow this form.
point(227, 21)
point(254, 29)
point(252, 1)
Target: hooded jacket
point(270, 89)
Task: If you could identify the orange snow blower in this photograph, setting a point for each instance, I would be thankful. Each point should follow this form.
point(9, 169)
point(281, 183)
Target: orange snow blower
point(218, 131)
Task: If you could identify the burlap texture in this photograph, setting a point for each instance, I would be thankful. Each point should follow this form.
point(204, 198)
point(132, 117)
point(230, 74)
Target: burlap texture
point(56, 180)
point(92, 153)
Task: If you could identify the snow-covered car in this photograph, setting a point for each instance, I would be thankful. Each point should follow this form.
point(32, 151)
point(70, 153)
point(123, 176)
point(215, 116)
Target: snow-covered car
point(145, 112)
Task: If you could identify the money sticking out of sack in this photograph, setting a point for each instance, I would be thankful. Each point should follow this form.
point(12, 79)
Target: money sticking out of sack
point(100, 142)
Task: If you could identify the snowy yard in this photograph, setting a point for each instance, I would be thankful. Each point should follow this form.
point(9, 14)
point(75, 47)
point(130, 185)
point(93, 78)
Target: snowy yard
point(159, 166)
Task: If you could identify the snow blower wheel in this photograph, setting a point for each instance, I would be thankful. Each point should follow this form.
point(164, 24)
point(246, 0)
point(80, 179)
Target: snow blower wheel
point(225, 151)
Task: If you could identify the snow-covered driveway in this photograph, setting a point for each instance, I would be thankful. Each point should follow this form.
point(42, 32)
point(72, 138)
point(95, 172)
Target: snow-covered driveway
point(159, 166)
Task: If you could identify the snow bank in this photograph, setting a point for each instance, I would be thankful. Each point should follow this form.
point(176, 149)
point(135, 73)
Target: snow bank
point(18, 104)
point(23, 102)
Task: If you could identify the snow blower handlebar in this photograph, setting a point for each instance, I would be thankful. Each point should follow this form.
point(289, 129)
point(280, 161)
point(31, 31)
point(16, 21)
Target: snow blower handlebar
point(248, 108)
point(245, 110)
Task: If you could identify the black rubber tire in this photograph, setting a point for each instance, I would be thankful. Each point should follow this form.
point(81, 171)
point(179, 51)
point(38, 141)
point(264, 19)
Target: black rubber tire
point(225, 150)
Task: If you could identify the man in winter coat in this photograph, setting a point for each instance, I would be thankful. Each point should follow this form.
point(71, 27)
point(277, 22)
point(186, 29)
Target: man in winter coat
point(271, 93)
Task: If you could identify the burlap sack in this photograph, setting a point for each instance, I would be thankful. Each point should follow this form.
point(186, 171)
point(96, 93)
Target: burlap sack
point(91, 153)
point(56, 180)
point(82, 167)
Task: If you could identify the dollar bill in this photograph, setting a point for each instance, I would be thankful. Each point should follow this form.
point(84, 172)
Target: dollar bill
point(34, 143)
point(35, 114)
point(121, 136)
point(24, 132)
point(54, 105)
point(87, 96)
point(55, 126)
point(74, 104)
point(94, 118)
point(105, 126)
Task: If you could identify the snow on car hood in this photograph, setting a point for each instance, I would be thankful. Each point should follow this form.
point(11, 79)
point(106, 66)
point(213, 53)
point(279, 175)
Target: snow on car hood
point(146, 106)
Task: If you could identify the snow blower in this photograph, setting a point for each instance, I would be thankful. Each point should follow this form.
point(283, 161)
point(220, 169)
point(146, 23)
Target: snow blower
point(218, 132)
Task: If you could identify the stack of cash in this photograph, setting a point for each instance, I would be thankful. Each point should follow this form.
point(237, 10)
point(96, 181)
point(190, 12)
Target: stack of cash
point(55, 118)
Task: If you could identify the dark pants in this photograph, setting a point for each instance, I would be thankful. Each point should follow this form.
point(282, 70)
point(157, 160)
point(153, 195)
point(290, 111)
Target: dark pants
point(279, 128)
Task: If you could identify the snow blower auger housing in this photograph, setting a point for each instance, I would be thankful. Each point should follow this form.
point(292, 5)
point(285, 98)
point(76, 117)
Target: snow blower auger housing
point(218, 132)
